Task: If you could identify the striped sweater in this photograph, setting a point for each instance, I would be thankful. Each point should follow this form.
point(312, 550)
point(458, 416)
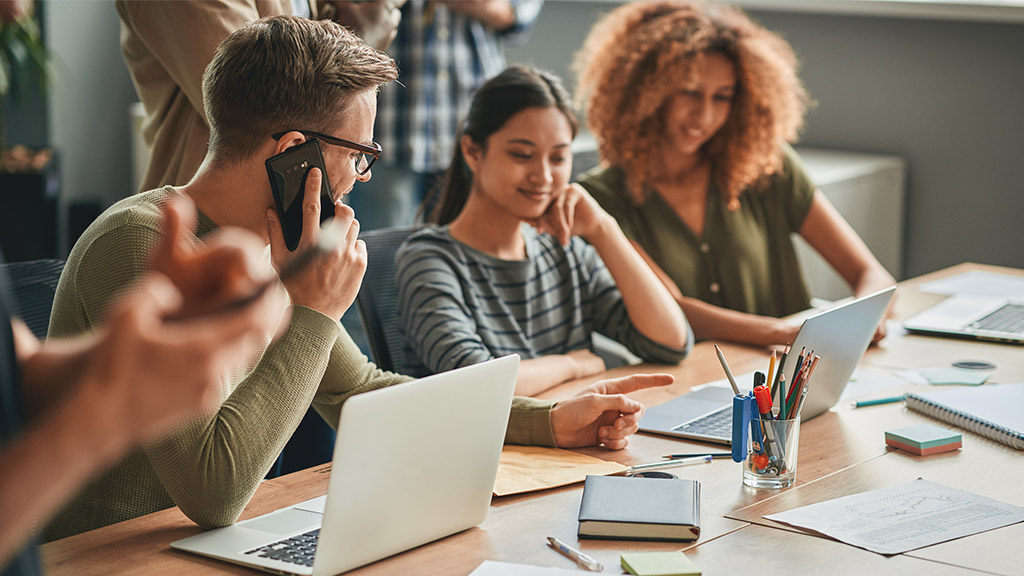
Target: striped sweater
point(459, 306)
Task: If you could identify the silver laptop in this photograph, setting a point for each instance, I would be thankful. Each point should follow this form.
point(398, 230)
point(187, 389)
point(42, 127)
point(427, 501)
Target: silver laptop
point(412, 463)
point(839, 335)
point(977, 316)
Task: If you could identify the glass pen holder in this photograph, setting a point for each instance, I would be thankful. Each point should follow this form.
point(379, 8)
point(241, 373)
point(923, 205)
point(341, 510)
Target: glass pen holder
point(772, 453)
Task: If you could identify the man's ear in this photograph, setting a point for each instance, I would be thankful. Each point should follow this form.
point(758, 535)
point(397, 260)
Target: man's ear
point(471, 152)
point(290, 139)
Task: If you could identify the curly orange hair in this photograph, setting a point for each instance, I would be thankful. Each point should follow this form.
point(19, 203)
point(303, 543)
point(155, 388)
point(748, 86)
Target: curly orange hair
point(640, 54)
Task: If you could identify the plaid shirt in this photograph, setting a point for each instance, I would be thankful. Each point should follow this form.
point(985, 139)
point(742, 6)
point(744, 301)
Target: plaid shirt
point(442, 56)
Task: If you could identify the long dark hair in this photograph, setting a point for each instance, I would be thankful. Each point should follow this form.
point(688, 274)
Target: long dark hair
point(494, 103)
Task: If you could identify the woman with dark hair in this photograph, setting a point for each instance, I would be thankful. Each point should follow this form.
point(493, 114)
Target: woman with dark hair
point(693, 105)
point(519, 260)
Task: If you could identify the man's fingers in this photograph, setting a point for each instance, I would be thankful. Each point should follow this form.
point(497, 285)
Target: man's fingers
point(348, 217)
point(275, 234)
point(635, 382)
point(311, 206)
point(619, 403)
point(156, 297)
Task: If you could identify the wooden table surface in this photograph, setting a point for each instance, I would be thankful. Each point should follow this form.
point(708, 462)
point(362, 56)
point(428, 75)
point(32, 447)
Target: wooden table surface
point(842, 452)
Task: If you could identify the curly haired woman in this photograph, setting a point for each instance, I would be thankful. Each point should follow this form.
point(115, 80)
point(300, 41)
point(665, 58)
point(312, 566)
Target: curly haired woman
point(693, 105)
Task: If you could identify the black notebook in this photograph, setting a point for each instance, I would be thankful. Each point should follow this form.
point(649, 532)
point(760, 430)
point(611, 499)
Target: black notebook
point(640, 508)
point(995, 411)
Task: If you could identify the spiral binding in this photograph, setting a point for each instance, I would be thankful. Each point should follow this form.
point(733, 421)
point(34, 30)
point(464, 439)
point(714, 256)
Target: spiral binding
point(1000, 434)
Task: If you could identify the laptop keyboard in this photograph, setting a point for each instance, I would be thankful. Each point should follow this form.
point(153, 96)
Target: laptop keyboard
point(1008, 319)
point(717, 424)
point(295, 550)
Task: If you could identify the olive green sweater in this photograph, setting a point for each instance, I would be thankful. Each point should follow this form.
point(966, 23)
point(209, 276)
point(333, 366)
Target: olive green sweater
point(211, 467)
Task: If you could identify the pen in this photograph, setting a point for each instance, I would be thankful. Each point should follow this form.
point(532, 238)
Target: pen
point(759, 379)
point(670, 463)
point(728, 373)
point(712, 454)
point(877, 401)
point(582, 560)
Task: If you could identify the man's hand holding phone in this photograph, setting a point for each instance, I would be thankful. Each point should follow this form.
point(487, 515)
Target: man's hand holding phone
point(330, 285)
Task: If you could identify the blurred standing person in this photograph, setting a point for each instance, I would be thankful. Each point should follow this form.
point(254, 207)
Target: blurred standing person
point(445, 50)
point(167, 45)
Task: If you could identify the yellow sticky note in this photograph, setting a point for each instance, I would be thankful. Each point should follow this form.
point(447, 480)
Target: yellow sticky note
point(530, 468)
point(659, 564)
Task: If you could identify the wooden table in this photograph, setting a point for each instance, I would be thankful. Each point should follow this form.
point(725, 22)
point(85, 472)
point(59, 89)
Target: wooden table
point(841, 452)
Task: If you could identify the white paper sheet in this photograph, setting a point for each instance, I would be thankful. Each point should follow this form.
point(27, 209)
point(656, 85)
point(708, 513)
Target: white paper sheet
point(902, 518)
point(493, 568)
point(865, 382)
point(978, 282)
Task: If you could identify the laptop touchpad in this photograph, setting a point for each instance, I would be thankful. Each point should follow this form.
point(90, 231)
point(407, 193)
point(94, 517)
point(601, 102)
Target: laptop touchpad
point(285, 521)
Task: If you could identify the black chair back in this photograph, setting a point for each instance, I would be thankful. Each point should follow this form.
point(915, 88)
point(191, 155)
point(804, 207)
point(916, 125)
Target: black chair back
point(33, 284)
point(378, 298)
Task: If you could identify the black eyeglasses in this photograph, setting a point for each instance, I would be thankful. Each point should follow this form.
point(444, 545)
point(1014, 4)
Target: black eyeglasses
point(364, 161)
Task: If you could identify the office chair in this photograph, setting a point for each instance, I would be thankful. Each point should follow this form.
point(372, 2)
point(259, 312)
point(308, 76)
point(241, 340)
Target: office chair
point(33, 284)
point(377, 301)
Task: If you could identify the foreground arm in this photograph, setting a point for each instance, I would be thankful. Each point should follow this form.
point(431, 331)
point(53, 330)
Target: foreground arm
point(133, 380)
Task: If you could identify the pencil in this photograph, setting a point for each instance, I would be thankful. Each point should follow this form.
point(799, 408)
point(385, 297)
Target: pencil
point(728, 373)
point(877, 401)
point(771, 369)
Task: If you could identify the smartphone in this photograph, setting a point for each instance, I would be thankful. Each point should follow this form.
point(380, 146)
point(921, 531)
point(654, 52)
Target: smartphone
point(287, 172)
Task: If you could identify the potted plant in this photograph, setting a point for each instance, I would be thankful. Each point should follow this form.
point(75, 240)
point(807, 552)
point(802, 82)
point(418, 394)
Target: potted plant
point(21, 54)
point(29, 184)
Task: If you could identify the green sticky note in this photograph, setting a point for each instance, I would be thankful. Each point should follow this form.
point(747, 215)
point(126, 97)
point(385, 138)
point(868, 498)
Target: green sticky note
point(659, 564)
point(944, 376)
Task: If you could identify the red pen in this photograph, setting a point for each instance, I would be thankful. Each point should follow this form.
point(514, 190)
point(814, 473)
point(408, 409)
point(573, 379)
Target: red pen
point(762, 394)
point(764, 402)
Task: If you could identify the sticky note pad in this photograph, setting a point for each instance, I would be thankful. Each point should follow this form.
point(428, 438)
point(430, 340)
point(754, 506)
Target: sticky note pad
point(924, 439)
point(946, 376)
point(659, 564)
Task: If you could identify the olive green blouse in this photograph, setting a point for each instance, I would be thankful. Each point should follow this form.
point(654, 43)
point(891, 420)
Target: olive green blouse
point(744, 260)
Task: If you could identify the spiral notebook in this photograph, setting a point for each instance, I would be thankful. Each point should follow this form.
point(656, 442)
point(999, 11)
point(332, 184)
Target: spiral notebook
point(994, 411)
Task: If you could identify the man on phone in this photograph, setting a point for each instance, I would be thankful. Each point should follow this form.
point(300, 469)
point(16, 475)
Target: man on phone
point(274, 85)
